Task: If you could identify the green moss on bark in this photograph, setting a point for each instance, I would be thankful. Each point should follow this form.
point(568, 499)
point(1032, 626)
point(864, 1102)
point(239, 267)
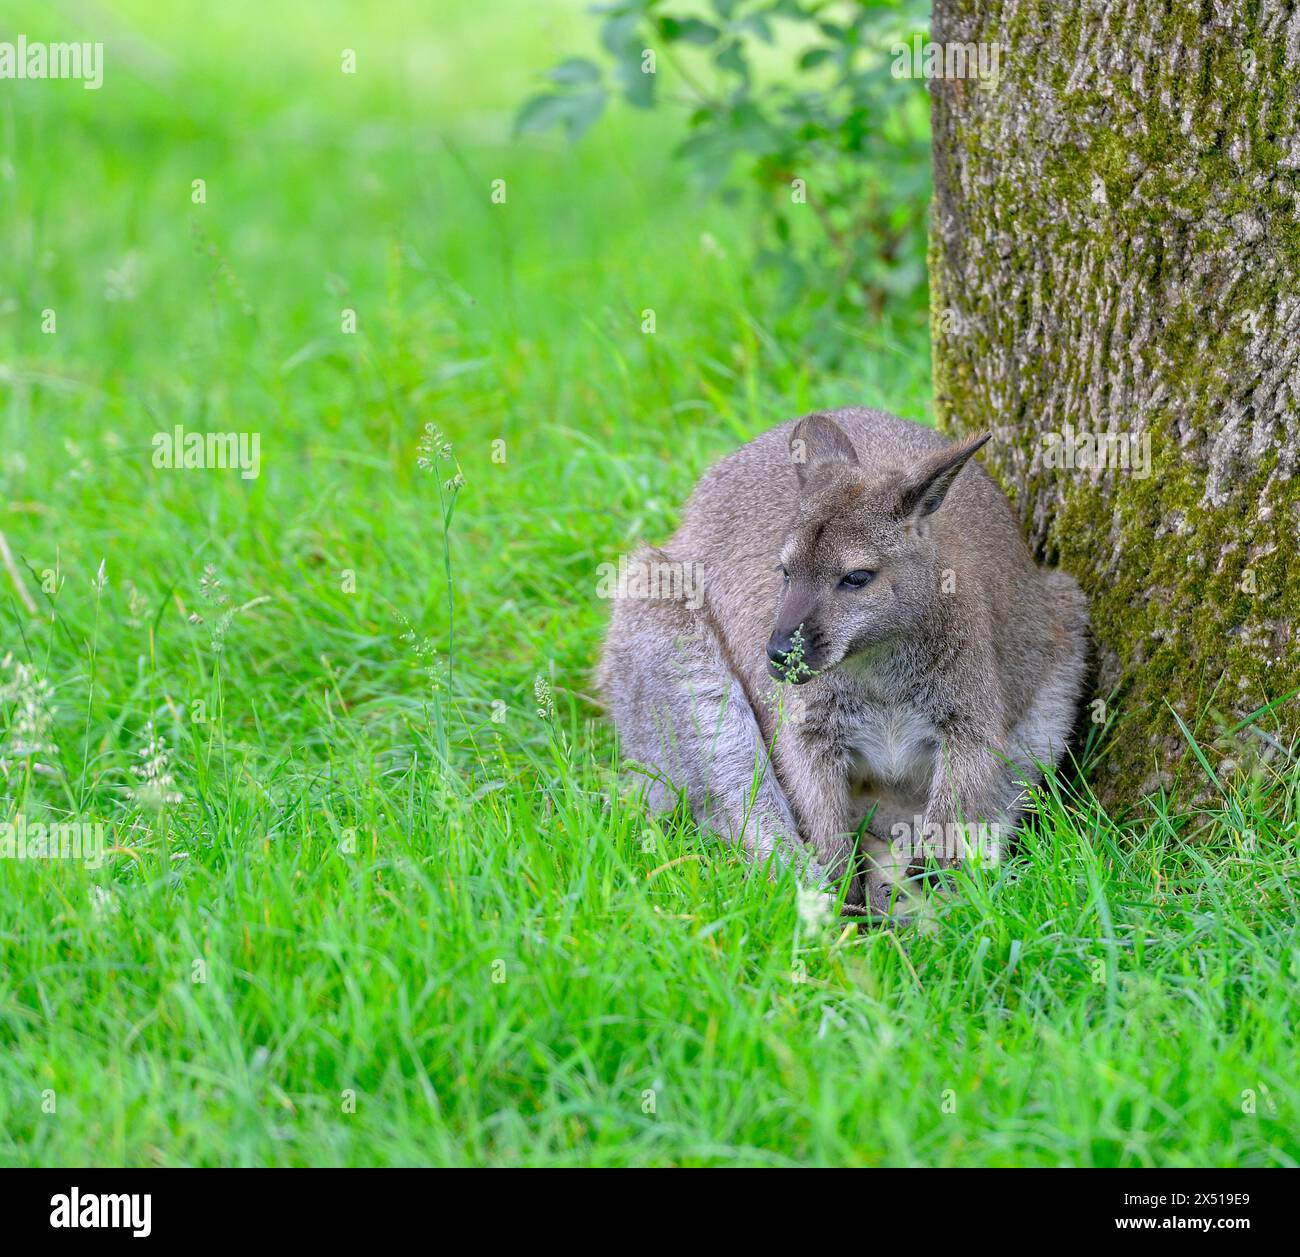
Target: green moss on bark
point(1116, 249)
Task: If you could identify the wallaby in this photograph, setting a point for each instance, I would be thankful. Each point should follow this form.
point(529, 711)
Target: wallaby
point(854, 555)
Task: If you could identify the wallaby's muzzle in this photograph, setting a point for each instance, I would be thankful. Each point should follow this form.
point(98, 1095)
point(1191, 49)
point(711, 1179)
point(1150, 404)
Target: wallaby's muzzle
point(779, 648)
point(795, 644)
point(787, 656)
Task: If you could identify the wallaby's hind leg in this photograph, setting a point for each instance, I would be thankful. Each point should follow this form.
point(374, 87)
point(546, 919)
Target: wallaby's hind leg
point(682, 714)
point(1043, 731)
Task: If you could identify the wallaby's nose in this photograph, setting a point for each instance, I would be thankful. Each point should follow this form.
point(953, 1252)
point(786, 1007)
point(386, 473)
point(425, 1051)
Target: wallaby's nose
point(778, 647)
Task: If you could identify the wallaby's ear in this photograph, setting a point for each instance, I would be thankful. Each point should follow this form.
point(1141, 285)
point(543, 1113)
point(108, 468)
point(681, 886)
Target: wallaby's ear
point(926, 485)
point(818, 439)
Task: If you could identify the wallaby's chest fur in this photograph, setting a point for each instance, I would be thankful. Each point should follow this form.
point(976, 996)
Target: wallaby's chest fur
point(879, 733)
point(935, 666)
point(891, 750)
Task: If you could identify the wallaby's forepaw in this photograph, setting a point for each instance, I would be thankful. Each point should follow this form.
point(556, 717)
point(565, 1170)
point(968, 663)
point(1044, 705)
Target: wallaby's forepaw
point(888, 903)
point(856, 910)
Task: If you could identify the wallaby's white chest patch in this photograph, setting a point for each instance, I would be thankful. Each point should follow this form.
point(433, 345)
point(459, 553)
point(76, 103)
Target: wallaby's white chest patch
point(894, 747)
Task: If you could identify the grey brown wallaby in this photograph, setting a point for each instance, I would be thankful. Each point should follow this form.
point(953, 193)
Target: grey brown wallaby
point(846, 657)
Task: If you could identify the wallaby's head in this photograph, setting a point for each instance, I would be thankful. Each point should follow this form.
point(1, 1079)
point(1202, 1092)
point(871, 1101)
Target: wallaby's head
point(859, 560)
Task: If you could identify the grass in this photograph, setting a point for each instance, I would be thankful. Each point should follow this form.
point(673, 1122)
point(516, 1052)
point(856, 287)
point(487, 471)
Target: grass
point(401, 911)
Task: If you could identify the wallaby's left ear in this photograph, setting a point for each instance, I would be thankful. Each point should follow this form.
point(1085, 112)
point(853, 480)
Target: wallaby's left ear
point(926, 485)
point(819, 439)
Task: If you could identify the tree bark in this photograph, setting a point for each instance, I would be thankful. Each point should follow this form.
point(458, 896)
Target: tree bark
point(1115, 254)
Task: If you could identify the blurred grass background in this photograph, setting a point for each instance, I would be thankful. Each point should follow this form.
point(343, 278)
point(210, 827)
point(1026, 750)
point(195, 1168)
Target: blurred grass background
point(400, 913)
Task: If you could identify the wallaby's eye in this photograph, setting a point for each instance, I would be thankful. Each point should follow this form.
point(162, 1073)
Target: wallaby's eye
point(785, 576)
point(855, 580)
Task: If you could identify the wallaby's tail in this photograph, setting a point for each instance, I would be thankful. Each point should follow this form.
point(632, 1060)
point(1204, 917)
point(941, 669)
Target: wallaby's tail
point(683, 715)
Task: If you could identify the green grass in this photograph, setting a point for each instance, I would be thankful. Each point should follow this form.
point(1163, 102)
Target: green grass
point(399, 915)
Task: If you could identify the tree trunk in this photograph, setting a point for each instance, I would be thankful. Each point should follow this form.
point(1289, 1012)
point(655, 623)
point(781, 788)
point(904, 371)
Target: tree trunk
point(1115, 256)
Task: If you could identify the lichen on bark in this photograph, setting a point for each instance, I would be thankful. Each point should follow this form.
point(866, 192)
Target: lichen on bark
point(1115, 251)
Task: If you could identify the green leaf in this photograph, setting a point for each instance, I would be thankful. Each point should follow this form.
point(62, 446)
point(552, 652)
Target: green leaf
point(688, 30)
point(619, 31)
point(575, 111)
point(584, 109)
point(815, 57)
point(638, 87)
point(574, 72)
point(752, 131)
point(732, 59)
point(539, 113)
